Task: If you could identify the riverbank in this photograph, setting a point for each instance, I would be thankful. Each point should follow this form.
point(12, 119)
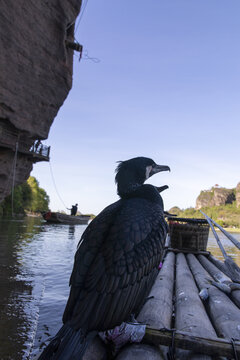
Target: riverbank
point(232, 230)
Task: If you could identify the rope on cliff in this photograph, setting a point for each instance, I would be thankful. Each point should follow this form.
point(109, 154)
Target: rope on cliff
point(81, 15)
point(54, 183)
point(8, 181)
point(79, 18)
point(76, 45)
point(14, 172)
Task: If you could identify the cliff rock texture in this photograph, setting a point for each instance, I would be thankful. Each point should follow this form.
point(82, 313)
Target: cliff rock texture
point(36, 76)
point(238, 195)
point(215, 197)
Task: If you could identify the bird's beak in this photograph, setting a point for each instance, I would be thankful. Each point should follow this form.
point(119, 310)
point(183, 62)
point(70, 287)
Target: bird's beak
point(158, 168)
point(161, 188)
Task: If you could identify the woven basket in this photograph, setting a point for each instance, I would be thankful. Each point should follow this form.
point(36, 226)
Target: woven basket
point(188, 234)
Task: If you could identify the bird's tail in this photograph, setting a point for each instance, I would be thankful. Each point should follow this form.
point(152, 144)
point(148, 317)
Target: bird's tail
point(67, 344)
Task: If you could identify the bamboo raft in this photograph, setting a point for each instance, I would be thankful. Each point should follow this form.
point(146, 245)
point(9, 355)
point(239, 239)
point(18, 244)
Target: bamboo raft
point(193, 309)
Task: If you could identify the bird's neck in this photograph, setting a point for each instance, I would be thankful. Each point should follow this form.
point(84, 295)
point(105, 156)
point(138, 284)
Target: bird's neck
point(145, 191)
point(126, 189)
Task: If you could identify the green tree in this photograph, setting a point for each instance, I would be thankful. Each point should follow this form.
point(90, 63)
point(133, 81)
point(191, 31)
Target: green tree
point(40, 199)
point(26, 197)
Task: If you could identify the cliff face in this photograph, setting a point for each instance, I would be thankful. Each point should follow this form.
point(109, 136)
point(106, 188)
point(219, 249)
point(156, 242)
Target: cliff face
point(35, 77)
point(216, 197)
point(238, 195)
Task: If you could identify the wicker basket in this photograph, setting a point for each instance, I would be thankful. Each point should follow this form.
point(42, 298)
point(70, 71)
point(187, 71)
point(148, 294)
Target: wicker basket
point(188, 234)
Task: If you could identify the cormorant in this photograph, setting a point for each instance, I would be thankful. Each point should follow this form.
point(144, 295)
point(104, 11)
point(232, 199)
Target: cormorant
point(116, 261)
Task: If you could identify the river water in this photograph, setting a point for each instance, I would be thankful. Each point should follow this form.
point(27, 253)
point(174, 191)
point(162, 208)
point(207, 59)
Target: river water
point(36, 261)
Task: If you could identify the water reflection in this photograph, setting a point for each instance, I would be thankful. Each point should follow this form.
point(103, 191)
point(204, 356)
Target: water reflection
point(35, 265)
point(35, 262)
point(71, 231)
point(227, 244)
point(16, 287)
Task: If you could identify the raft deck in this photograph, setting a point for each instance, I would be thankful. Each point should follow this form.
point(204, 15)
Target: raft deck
point(193, 312)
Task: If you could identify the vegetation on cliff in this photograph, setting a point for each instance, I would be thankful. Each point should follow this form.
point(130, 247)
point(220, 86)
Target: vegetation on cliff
point(28, 197)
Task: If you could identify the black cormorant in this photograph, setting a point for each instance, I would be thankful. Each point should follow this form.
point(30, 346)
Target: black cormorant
point(116, 261)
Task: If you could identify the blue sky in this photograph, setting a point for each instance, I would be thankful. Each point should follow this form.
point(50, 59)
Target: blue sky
point(167, 86)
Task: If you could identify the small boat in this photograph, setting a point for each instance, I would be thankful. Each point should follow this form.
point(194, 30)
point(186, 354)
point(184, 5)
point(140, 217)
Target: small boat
point(59, 218)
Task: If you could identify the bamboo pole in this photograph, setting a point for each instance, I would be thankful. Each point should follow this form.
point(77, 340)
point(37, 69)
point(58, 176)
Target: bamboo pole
point(233, 268)
point(224, 314)
point(188, 251)
point(235, 294)
point(201, 276)
point(216, 236)
point(190, 313)
point(140, 352)
point(214, 271)
point(156, 312)
point(220, 265)
point(209, 346)
point(229, 236)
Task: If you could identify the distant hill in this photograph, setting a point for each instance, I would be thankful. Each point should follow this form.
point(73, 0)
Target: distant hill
point(221, 204)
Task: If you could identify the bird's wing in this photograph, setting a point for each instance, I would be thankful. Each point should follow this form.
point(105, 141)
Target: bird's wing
point(122, 271)
point(87, 250)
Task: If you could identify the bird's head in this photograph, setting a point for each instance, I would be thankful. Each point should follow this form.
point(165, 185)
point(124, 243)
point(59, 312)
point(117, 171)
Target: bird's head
point(131, 174)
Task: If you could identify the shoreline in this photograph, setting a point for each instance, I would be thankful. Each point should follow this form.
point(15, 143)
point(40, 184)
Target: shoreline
point(236, 230)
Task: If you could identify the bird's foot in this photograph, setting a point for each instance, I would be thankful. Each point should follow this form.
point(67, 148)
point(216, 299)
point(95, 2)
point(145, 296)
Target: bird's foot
point(123, 334)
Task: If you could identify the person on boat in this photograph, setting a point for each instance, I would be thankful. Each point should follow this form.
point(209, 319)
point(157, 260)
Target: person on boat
point(74, 209)
point(116, 262)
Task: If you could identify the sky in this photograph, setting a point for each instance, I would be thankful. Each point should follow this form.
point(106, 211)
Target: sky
point(159, 79)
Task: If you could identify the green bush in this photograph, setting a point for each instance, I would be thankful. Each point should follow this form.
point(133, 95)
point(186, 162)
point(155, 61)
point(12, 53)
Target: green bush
point(26, 197)
point(40, 199)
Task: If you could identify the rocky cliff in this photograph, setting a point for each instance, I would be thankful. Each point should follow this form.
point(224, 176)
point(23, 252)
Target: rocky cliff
point(218, 196)
point(238, 195)
point(36, 75)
